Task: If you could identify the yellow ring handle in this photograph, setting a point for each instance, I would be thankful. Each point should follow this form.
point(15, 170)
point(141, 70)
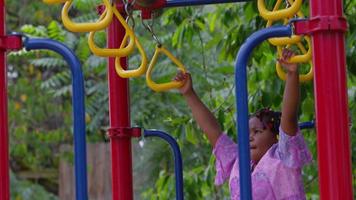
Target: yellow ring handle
point(302, 78)
point(134, 72)
point(279, 14)
point(120, 52)
point(163, 86)
point(285, 40)
point(281, 41)
point(54, 1)
point(305, 57)
point(86, 27)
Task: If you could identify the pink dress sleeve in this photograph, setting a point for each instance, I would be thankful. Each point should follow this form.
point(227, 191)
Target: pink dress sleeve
point(225, 151)
point(292, 150)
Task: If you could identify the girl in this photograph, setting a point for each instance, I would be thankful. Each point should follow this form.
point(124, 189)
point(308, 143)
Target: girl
point(275, 163)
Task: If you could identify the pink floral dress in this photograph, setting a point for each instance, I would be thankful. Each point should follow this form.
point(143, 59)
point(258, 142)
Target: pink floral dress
point(277, 176)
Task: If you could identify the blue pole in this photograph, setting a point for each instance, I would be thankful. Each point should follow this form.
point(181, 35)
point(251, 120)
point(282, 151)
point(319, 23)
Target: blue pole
point(242, 102)
point(178, 166)
point(78, 109)
point(179, 3)
point(307, 125)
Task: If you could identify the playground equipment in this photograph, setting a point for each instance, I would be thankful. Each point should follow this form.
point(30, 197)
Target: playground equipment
point(285, 15)
point(178, 164)
point(80, 162)
point(78, 111)
point(326, 27)
point(242, 102)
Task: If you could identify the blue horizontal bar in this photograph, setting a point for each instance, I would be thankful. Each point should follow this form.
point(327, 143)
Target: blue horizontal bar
point(307, 125)
point(179, 3)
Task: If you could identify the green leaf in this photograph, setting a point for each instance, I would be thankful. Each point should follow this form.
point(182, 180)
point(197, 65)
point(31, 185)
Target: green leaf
point(190, 135)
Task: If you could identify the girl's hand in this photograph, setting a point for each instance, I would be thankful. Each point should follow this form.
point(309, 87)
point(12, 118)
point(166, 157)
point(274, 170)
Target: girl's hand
point(187, 88)
point(284, 61)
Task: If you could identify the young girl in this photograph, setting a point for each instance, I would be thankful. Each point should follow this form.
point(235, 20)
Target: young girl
point(275, 163)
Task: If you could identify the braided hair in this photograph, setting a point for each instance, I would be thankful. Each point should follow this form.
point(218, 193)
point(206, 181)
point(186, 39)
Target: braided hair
point(269, 118)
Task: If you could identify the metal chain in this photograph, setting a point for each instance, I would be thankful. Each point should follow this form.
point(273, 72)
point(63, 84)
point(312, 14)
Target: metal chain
point(129, 8)
point(129, 12)
point(150, 29)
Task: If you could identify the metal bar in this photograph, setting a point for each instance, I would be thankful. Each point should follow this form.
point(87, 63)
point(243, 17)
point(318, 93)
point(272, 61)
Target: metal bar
point(4, 132)
point(179, 3)
point(80, 161)
point(242, 102)
point(178, 163)
point(307, 125)
point(333, 134)
point(121, 160)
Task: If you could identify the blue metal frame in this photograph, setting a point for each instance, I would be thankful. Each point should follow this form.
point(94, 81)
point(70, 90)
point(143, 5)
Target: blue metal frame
point(179, 3)
point(242, 102)
point(178, 163)
point(306, 125)
point(78, 109)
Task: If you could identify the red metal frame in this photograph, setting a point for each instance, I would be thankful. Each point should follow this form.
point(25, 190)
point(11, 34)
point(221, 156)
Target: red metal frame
point(327, 26)
point(121, 160)
point(4, 137)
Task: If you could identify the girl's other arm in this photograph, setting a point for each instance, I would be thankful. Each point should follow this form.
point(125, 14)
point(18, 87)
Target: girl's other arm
point(290, 104)
point(205, 119)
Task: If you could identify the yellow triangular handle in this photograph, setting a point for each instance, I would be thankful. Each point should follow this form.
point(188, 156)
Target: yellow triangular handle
point(278, 14)
point(280, 41)
point(159, 87)
point(120, 52)
point(306, 57)
point(303, 58)
point(86, 27)
point(302, 77)
point(133, 72)
point(54, 1)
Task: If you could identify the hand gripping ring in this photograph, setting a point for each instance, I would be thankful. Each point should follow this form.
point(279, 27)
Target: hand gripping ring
point(306, 57)
point(302, 78)
point(163, 86)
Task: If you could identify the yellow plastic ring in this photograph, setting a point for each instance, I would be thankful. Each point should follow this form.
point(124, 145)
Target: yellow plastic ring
point(285, 40)
point(281, 41)
point(120, 52)
point(163, 86)
point(305, 57)
point(134, 72)
point(302, 78)
point(86, 27)
point(278, 14)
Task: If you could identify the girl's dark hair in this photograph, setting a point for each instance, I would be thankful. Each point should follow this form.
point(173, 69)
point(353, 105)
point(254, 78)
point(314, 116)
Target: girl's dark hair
point(269, 118)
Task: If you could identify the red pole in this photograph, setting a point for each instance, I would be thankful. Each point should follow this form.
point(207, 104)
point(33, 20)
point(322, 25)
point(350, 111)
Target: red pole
point(333, 134)
point(121, 160)
point(4, 137)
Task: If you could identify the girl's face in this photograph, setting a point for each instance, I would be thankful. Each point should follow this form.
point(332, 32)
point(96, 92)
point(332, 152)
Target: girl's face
point(260, 139)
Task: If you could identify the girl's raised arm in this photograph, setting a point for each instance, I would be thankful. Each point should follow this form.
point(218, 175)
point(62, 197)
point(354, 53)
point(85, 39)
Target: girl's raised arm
point(291, 96)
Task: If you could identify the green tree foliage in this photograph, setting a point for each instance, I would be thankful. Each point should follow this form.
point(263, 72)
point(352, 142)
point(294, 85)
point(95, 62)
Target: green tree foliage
point(205, 38)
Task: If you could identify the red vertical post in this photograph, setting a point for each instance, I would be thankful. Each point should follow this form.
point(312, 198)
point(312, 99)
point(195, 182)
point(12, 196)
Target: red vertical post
point(333, 134)
point(121, 158)
point(4, 137)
